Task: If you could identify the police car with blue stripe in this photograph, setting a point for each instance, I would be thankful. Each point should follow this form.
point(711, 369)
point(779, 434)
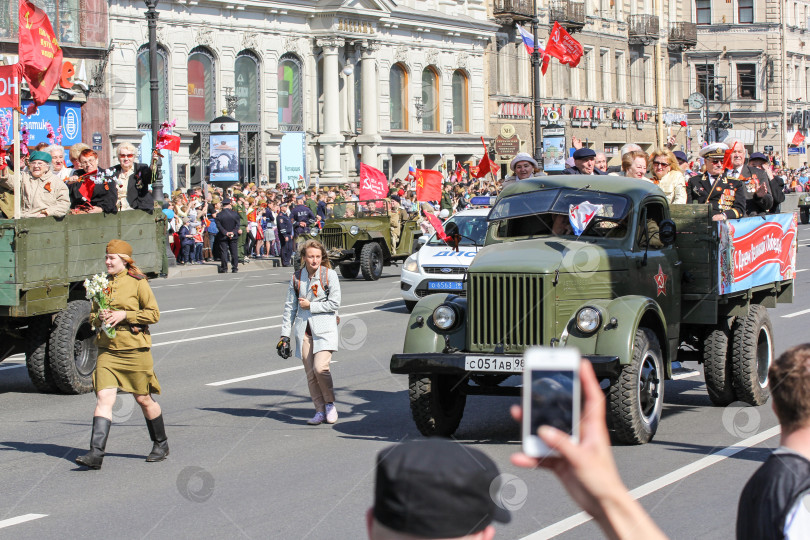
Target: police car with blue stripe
point(437, 267)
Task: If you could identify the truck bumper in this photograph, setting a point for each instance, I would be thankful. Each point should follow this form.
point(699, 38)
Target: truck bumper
point(453, 364)
point(341, 255)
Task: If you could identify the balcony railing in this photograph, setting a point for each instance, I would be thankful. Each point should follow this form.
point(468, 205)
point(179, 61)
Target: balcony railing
point(682, 35)
point(510, 11)
point(570, 15)
point(642, 29)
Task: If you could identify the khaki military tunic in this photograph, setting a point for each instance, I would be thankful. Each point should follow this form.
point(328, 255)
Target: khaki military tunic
point(47, 194)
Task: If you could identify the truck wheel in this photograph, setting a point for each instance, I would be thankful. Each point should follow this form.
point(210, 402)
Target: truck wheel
point(751, 356)
point(637, 397)
point(804, 215)
point(371, 261)
point(72, 350)
point(437, 404)
point(349, 270)
point(409, 305)
point(36, 354)
point(717, 366)
point(296, 261)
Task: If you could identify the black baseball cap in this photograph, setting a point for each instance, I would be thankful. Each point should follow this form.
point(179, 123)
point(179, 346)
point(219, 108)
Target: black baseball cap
point(584, 153)
point(758, 155)
point(437, 488)
point(680, 156)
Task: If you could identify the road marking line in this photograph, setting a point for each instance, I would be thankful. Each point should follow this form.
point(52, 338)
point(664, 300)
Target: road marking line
point(20, 519)
point(801, 270)
point(176, 310)
point(256, 329)
point(796, 314)
point(654, 485)
point(256, 319)
point(12, 366)
point(263, 285)
point(259, 375)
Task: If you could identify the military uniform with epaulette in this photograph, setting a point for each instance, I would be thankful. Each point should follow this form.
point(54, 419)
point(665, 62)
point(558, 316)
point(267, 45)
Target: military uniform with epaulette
point(726, 196)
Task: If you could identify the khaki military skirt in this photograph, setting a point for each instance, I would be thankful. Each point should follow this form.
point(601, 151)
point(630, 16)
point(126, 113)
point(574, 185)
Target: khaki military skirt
point(128, 370)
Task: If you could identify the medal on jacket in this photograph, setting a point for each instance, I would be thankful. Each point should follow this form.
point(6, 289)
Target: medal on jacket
point(315, 289)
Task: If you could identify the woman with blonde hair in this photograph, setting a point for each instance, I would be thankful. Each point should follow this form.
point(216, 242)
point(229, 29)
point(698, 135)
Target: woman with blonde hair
point(133, 180)
point(310, 314)
point(125, 360)
point(634, 164)
point(667, 174)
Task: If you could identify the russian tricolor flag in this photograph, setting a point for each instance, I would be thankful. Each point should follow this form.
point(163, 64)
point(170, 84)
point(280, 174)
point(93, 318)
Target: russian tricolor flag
point(411, 170)
point(528, 40)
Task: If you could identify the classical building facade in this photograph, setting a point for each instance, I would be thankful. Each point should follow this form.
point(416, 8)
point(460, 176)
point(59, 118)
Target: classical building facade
point(318, 86)
point(610, 98)
point(752, 66)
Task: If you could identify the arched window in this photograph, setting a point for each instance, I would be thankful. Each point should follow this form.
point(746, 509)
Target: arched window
point(246, 81)
point(142, 88)
point(398, 90)
point(460, 102)
point(290, 94)
point(201, 87)
point(430, 99)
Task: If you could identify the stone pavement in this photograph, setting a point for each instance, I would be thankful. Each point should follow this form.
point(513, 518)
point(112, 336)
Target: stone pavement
point(210, 268)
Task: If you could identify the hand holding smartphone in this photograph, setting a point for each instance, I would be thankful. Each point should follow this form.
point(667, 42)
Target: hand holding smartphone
point(551, 396)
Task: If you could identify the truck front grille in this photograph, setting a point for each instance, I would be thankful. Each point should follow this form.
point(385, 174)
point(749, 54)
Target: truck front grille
point(505, 311)
point(332, 237)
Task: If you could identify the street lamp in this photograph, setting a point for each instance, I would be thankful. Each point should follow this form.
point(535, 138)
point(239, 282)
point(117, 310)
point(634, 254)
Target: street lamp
point(151, 20)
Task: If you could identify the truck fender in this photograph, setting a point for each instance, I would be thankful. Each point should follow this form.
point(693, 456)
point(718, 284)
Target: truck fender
point(425, 337)
point(630, 312)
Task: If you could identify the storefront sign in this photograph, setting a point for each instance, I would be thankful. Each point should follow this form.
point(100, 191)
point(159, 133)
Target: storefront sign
point(292, 153)
point(507, 147)
point(515, 110)
point(10, 77)
point(640, 116)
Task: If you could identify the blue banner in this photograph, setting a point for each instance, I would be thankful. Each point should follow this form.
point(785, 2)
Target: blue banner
point(292, 154)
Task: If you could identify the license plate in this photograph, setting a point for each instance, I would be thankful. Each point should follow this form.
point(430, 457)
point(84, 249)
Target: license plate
point(494, 363)
point(445, 285)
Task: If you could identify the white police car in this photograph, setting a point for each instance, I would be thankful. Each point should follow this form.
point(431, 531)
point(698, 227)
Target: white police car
point(436, 267)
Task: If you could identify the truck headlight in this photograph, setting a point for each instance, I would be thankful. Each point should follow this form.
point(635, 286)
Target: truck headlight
point(313, 231)
point(445, 317)
point(589, 320)
point(354, 230)
point(410, 264)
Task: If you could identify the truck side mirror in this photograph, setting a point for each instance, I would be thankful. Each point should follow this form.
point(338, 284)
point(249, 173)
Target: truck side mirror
point(667, 232)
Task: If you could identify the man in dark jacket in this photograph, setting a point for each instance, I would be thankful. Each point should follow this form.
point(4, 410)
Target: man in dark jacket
point(760, 162)
point(285, 235)
point(584, 163)
point(756, 185)
point(228, 237)
point(301, 216)
point(725, 195)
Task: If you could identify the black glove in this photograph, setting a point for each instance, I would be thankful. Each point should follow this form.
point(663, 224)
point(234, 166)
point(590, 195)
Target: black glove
point(283, 347)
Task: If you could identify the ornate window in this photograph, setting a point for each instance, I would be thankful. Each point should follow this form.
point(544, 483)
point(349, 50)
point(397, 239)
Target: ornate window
point(398, 91)
point(290, 94)
point(430, 99)
point(201, 87)
point(246, 80)
point(460, 102)
point(142, 89)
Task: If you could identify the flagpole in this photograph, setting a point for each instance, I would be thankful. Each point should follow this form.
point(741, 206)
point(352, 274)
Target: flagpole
point(538, 143)
point(15, 113)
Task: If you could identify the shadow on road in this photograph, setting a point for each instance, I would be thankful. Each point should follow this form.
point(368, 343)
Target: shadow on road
point(55, 450)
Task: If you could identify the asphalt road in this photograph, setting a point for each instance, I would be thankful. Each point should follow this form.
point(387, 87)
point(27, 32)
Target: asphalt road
point(244, 464)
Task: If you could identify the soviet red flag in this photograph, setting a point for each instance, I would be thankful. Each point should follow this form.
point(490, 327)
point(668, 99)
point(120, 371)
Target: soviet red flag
point(40, 54)
point(562, 47)
point(436, 223)
point(373, 183)
point(459, 171)
point(428, 185)
point(798, 138)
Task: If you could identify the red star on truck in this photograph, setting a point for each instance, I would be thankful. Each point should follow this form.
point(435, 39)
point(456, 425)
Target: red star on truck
point(661, 281)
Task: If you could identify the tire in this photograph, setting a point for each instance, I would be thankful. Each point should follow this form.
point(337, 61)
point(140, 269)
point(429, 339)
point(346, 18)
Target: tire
point(752, 355)
point(804, 215)
point(371, 261)
point(437, 404)
point(409, 305)
point(296, 261)
point(72, 351)
point(636, 398)
point(717, 366)
point(349, 270)
point(36, 354)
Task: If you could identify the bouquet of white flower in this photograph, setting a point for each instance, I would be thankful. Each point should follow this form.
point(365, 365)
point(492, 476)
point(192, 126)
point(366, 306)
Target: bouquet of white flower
point(97, 288)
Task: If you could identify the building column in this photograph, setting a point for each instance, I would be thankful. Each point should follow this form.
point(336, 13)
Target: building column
point(368, 109)
point(331, 138)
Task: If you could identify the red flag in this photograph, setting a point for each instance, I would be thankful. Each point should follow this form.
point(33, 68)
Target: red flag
point(40, 54)
point(485, 166)
point(727, 156)
point(797, 139)
point(169, 142)
point(373, 183)
point(562, 47)
point(428, 185)
point(10, 85)
point(437, 226)
point(459, 171)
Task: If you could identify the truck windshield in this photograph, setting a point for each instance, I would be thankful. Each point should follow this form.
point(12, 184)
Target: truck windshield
point(351, 209)
point(473, 230)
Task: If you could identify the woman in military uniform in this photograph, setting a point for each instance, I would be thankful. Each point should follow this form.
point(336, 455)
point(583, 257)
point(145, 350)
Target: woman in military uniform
point(125, 361)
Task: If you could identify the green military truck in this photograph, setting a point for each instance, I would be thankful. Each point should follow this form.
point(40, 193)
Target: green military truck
point(357, 236)
point(647, 285)
point(804, 207)
point(43, 309)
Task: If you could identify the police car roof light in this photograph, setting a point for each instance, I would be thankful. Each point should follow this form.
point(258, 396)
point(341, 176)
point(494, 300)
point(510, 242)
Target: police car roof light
point(482, 200)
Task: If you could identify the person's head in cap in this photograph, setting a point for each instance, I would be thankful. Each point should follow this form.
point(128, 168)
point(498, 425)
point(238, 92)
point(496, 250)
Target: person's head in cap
point(524, 166)
point(226, 202)
point(683, 160)
point(119, 258)
point(39, 163)
point(713, 154)
point(758, 160)
point(396, 198)
point(585, 160)
point(435, 488)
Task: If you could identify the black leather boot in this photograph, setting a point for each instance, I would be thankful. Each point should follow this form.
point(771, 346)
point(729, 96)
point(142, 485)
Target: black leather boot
point(160, 450)
point(98, 441)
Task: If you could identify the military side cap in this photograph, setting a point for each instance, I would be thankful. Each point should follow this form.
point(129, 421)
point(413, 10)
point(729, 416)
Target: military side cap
point(758, 155)
point(584, 153)
point(714, 150)
point(40, 156)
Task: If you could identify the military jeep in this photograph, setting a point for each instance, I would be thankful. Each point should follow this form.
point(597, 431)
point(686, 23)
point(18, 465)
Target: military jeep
point(357, 236)
point(804, 207)
point(644, 287)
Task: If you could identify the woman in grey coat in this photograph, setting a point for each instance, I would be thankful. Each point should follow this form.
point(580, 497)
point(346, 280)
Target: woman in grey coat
point(310, 314)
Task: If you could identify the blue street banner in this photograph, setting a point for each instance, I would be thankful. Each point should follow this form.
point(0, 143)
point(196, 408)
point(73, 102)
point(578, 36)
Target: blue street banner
point(224, 160)
point(292, 153)
point(145, 157)
point(756, 251)
point(66, 115)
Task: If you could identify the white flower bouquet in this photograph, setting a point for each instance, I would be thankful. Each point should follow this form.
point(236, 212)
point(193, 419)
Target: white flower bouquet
point(98, 287)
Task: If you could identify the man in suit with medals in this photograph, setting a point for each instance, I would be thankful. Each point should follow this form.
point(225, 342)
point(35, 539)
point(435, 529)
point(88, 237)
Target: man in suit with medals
point(758, 195)
point(726, 196)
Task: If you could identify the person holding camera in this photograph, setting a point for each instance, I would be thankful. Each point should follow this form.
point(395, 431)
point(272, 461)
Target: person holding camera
point(229, 229)
point(310, 314)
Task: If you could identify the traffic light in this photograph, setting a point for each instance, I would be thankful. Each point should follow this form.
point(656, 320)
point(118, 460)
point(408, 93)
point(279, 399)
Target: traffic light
point(717, 92)
point(725, 122)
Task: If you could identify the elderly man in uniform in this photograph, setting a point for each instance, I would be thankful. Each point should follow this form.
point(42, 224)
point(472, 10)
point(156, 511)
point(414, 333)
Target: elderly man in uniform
point(584, 163)
point(41, 192)
point(758, 196)
point(727, 196)
point(397, 216)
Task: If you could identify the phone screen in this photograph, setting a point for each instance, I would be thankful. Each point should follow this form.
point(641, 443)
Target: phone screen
point(552, 400)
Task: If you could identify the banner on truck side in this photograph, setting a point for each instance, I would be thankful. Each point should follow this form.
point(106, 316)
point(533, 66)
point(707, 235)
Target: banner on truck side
point(756, 251)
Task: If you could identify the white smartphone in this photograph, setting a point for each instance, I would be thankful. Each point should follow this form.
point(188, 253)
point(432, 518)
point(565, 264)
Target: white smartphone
point(550, 394)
